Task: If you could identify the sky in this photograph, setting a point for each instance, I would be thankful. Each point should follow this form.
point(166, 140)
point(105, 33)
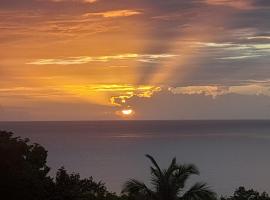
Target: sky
point(134, 59)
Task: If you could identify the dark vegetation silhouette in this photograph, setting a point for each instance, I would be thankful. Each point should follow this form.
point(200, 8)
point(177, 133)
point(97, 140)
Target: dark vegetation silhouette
point(24, 176)
point(242, 194)
point(169, 184)
point(71, 186)
point(23, 169)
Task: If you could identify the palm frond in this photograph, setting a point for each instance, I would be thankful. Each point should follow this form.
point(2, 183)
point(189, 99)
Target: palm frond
point(173, 163)
point(156, 177)
point(181, 174)
point(136, 187)
point(188, 169)
point(155, 172)
point(171, 168)
point(154, 162)
point(199, 191)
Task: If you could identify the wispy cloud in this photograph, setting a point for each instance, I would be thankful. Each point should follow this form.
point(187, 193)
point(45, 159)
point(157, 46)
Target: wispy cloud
point(90, 1)
point(114, 13)
point(107, 94)
point(259, 37)
point(239, 4)
point(85, 1)
point(87, 59)
point(237, 51)
point(214, 91)
point(129, 91)
point(239, 57)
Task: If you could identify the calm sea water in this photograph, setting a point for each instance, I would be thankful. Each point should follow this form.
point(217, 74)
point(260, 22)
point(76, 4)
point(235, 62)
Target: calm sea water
point(228, 153)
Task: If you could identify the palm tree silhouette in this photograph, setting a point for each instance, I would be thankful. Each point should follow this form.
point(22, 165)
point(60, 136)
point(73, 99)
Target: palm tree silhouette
point(169, 184)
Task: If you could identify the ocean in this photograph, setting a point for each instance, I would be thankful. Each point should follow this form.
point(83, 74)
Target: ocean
point(228, 153)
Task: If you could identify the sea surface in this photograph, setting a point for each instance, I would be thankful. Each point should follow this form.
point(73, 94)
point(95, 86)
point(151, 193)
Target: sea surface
point(228, 153)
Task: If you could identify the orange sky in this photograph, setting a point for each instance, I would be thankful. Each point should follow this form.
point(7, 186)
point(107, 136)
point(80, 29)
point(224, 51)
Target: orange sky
point(103, 55)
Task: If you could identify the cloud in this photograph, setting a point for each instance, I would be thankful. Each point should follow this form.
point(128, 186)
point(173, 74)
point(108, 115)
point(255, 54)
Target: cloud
point(112, 94)
point(214, 91)
point(87, 59)
point(204, 90)
point(102, 94)
point(239, 4)
point(267, 37)
point(90, 1)
point(168, 106)
point(84, 1)
point(130, 91)
point(115, 13)
point(237, 50)
point(192, 102)
point(239, 57)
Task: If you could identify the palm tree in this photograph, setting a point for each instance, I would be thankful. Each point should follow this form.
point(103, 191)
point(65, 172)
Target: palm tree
point(169, 184)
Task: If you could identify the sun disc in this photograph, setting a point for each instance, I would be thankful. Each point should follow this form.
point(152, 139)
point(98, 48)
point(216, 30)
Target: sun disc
point(127, 112)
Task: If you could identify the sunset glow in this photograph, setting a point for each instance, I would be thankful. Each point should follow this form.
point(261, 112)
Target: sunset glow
point(127, 112)
point(100, 83)
point(106, 56)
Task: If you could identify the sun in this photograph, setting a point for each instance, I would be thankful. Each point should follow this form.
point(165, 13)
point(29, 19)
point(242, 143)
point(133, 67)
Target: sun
point(127, 112)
